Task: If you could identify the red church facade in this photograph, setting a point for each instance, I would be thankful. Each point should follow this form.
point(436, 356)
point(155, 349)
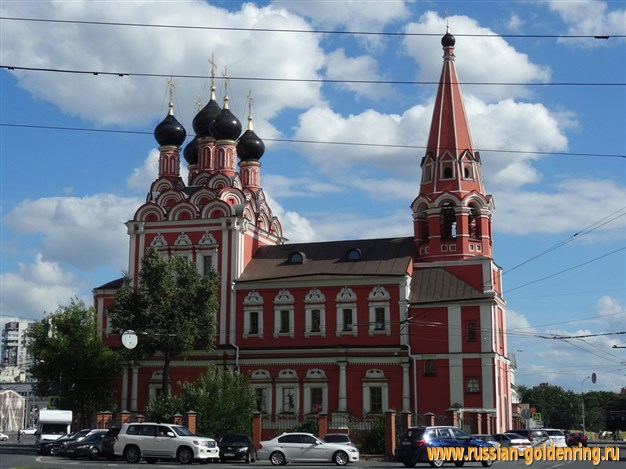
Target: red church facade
point(352, 327)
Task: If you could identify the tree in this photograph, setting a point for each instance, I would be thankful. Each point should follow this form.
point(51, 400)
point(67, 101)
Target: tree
point(223, 400)
point(172, 309)
point(558, 408)
point(70, 361)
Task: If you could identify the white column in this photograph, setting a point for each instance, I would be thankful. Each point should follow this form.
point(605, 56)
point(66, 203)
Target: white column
point(406, 388)
point(342, 387)
point(133, 391)
point(124, 403)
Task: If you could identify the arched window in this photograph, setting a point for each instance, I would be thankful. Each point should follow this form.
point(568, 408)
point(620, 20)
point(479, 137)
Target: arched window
point(448, 223)
point(474, 223)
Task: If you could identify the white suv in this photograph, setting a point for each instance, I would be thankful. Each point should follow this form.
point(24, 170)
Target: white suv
point(154, 441)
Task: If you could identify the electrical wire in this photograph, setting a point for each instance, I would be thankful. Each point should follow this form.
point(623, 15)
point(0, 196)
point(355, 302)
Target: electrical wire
point(298, 80)
point(313, 31)
point(316, 142)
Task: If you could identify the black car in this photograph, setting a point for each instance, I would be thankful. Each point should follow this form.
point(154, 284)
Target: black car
point(108, 442)
point(237, 446)
point(57, 447)
point(415, 441)
point(90, 446)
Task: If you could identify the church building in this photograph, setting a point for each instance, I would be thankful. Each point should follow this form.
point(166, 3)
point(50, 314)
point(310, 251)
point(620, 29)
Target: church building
point(346, 328)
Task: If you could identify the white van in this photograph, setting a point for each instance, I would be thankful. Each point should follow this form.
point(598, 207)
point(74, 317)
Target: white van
point(557, 437)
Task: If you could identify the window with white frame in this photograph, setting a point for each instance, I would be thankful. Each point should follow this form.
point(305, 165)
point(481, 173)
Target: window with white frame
point(262, 385)
point(209, 263)
point(314, 313)
point(283, 314)
point(346, 312)
point(379, 311)
point(253, 315)
point(375, 392)
point(315, 389)
point(287, 395)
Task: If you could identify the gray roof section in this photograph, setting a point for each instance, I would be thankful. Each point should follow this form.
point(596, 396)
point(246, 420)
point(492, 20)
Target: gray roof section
point(435, 284)
point(327, 260)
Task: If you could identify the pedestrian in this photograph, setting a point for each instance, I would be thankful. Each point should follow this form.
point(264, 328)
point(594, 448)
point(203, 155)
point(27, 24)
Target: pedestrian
point(19, 432)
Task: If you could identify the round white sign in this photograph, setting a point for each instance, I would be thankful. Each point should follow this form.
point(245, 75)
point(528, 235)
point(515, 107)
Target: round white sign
point(129, 339)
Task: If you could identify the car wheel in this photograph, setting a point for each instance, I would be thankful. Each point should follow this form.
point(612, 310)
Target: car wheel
point(340, 458)
point(436, 463)
point(185, 455)
point(247, 458)
point(278, 459)
point(94, 453)
point(132, 454)
point(487, 463)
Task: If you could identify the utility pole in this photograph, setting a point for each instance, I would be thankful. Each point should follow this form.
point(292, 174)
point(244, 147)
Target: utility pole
point(582, 397)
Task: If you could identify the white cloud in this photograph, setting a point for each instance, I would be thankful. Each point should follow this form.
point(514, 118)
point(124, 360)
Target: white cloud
point(589, 18)
point(499, 61)
point(361, 68)
point(85, 232)
point(130, 100)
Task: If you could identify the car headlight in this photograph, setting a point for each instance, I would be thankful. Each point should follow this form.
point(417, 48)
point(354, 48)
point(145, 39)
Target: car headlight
point(241, 450)
point(352, 450)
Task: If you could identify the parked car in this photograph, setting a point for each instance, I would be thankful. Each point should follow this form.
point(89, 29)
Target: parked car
point(414, 442)
point(57, 447)
point(236, 446)
point(557, 437)
point(3, 437)
point(513, 440)
point(340, 439)
point(28, 431)
point(163, 441)
point(108, 442)
point(305, 447)
point(536, 436)
point(575, 438)
point(90, 446)
point(486, 438)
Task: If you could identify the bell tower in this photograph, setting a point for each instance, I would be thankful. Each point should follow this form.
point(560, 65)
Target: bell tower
point(452, 213)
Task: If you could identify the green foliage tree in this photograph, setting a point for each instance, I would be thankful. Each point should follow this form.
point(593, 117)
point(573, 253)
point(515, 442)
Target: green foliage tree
point(70, 361)
point(558, 408)
point(172, 309)
point(223, 400)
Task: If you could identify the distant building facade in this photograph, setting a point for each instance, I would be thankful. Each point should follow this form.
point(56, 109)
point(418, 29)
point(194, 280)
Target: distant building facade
point(347, 328)
point(14, 357)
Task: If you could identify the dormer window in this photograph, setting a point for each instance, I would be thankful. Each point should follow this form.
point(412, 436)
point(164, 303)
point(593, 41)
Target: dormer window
point(353, 254)
point(296, 257)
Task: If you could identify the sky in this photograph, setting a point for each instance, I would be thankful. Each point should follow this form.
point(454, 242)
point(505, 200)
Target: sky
point(342, 96)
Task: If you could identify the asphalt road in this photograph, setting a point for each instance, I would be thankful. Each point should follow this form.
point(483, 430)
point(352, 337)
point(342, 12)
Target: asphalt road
point(22, 455)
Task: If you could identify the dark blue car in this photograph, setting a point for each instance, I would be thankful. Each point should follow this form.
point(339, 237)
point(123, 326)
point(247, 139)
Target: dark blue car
point(413, 444)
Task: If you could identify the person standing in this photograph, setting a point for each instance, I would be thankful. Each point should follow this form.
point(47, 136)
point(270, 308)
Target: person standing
point(19, 432)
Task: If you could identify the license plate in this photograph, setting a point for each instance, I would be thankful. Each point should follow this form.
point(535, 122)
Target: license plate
point(229, 454)
point(406, 443)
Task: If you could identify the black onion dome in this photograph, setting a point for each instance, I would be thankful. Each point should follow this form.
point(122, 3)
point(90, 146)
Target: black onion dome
point(191, 151)
point(170, 131)
point(250, 146)
point(226, 126)
point(202, 121)
point(448, 40)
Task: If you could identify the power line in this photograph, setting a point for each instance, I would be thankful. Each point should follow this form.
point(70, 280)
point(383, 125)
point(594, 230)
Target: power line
point(299, 80)
point(313, 31)
point(317, 142)
point(568, 269)
point(577, 235)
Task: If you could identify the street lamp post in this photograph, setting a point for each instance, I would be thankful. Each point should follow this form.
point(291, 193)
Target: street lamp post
point(593, 378)
point(582, 401)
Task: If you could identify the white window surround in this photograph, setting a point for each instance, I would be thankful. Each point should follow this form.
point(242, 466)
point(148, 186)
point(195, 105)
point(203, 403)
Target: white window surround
point(379, 297)
point(253, 302)
point(155, 384)
point(267, 396)
point(283, 302)
point(314, 300)
point(374, 379)
point(287, 379)
point(315, 378)
point(346, 299)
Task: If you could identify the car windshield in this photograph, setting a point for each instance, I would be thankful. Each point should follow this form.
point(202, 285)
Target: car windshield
point(183, 431)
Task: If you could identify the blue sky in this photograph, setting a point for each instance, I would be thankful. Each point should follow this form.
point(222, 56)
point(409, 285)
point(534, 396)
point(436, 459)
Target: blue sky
point(551, 134)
